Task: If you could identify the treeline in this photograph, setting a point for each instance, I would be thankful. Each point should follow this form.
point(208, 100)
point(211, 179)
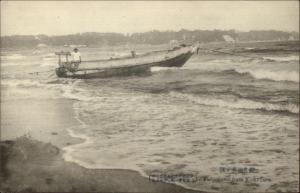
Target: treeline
point(151, 37)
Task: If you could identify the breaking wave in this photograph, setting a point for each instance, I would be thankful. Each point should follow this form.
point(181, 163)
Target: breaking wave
point(260, 74)
point(283, 59)
point(66, 86)
point(76, 93)
point(275, 75)
point(21, 83)
point(237, 103)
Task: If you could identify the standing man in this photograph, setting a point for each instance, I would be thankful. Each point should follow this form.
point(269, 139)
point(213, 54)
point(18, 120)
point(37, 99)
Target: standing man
point(76, 58)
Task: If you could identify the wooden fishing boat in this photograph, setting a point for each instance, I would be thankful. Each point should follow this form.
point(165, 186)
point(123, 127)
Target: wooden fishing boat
point(136, 65)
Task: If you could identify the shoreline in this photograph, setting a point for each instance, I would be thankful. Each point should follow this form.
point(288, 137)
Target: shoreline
point(49, 172)
point(67, 158)
point(39, 150)
point(67, 150)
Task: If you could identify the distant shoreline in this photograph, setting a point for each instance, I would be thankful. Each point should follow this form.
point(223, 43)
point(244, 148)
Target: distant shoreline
point(154, 37)
point(157, 47)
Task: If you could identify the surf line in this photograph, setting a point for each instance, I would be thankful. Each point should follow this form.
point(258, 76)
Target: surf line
point(37, 73)
point(230, 53)
point(33, 73)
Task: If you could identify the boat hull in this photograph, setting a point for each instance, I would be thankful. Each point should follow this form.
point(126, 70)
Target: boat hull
point(178, 61)
point(105, 73)
point(129, 70)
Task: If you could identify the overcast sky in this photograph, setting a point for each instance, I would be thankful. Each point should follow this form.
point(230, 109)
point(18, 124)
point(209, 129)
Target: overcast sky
point(58, 18)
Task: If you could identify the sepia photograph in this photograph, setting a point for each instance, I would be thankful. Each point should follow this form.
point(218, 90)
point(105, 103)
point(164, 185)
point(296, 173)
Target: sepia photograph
point(149, 96)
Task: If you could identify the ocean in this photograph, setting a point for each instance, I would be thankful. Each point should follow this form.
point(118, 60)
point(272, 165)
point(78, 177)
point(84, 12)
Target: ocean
point(207, 120)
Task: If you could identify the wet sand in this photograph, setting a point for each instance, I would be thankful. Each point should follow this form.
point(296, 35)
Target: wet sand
point(46, 120)
point(33, 134)
point(29, 165)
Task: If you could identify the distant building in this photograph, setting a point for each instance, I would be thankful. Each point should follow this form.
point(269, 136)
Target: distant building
point(228, 38)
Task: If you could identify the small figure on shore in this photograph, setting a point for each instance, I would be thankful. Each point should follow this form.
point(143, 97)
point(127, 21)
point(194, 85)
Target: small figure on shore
point(76, 58)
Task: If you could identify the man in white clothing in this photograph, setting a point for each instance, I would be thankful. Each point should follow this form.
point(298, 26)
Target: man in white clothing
point(76, 58)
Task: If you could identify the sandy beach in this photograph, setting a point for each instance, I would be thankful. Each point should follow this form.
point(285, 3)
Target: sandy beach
point(32, 145)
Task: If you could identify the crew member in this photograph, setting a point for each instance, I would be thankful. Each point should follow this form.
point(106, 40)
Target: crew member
point(76, 58)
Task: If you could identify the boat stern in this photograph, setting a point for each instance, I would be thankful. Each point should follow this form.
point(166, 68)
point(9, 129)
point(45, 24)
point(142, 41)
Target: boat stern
point(61, 72)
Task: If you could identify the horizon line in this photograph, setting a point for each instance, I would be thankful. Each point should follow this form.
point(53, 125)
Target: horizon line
point(130, 33)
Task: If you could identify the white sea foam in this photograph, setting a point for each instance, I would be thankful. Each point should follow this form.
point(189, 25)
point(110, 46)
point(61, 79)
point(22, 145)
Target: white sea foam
point(105, 149)
point(13, 57)
point(156, 69)
point(49, 55)
point(249, 48)
point(14, 63)
point(48, 58)
point(37, 52)
point(29, 89)
point(70, 91)
point(237, 103)
point(283, 58)
point(67, 88)
point(49, 62)
point(68, 150)
point(19, 82)
point(272, 75)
